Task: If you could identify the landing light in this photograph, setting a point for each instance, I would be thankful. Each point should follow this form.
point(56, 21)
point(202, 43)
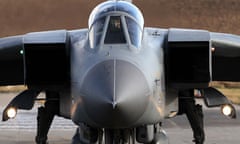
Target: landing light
point(11, 112)
point(21, 52)
point(213, 49)
point(228, 110)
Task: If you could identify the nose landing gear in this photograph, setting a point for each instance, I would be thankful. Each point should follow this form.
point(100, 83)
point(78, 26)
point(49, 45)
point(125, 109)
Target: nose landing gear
point(145, 134)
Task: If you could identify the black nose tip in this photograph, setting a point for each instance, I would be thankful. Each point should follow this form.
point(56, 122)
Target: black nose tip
point(115, 93)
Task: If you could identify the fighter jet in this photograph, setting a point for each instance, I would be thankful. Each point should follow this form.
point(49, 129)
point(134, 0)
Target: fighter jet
point(118, 80)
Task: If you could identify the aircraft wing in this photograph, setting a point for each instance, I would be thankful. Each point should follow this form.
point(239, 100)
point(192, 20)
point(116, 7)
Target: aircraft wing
point(36, 59)
point(11, 61)
point(225, 57)
point(22, 58)
point(191, 63)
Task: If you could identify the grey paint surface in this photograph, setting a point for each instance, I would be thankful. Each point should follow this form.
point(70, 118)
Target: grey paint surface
point(109, 82)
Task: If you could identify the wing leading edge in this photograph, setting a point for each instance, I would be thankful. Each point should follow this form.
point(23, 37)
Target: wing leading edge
point(225, 57)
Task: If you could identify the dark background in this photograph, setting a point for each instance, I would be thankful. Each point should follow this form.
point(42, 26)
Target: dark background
point(22, 16)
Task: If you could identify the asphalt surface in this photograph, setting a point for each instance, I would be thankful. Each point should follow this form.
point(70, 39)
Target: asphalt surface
point(218, 128)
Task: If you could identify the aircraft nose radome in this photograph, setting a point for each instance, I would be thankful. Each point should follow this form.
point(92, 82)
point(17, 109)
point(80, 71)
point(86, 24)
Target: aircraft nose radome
point(115, 93)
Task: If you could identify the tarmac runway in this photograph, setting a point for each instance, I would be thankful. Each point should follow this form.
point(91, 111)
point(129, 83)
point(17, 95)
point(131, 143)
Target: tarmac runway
point(21, 130)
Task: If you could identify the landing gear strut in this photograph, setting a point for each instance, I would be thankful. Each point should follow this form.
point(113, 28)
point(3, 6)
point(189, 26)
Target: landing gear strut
point(45, 117)
point(194, 114)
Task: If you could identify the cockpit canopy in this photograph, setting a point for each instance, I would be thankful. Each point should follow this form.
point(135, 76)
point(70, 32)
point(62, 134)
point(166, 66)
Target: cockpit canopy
point(115, 22)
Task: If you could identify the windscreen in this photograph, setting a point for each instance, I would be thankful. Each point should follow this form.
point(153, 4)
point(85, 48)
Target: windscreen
point(135, 32)
point(119, 22)
point(115, 33)
point(96, 32)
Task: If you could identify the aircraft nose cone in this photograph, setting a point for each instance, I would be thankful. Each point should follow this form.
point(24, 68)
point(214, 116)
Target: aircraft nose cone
point(115, 93)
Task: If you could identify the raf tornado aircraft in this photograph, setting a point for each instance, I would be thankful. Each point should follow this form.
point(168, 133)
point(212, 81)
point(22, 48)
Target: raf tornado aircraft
point(118, 80)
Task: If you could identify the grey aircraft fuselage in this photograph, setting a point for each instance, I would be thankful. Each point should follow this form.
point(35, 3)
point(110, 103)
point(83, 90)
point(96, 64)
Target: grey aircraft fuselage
point(119, 85)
